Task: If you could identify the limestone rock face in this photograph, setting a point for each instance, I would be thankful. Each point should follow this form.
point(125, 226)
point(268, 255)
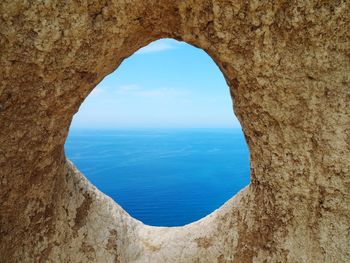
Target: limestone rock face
point(288, 67)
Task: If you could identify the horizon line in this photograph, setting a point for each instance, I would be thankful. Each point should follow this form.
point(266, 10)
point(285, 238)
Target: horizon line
point(148, 128)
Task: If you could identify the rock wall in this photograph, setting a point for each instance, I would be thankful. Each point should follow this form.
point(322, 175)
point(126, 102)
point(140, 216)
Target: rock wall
point(288, 67)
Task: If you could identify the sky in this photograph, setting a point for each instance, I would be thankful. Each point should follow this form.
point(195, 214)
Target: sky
point(167, 84)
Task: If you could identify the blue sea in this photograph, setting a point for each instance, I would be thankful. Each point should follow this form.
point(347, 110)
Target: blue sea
point(163, 177)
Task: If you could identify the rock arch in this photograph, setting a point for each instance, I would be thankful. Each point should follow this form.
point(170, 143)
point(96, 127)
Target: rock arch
point(287, 65)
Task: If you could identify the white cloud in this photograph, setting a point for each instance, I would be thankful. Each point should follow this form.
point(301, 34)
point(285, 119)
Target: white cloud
point(159, 46)
point(96, 91)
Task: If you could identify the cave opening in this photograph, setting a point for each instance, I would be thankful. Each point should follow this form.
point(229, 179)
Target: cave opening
point(159, 136)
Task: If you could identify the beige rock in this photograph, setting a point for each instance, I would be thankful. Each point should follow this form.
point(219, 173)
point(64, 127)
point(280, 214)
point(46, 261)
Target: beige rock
point(288, 66)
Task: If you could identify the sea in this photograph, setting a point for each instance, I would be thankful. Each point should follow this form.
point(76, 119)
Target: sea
point(163, 177)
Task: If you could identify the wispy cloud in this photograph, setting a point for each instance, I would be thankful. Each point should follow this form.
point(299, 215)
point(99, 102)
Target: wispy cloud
point(159, 46)
point(96, 91)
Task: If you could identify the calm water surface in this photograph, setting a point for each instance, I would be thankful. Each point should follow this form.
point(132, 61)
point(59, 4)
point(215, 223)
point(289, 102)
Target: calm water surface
point(163, 177)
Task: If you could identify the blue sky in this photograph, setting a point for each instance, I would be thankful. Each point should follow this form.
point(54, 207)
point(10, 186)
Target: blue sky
point(167, 84)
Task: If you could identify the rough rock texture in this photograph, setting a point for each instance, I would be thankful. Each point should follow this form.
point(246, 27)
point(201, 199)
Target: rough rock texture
point(288, 66)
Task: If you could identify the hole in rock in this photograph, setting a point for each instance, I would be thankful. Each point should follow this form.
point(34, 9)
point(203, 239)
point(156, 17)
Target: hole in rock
point(159, 136)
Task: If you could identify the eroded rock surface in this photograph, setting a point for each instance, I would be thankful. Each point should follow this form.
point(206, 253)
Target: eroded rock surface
point(288, 66)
